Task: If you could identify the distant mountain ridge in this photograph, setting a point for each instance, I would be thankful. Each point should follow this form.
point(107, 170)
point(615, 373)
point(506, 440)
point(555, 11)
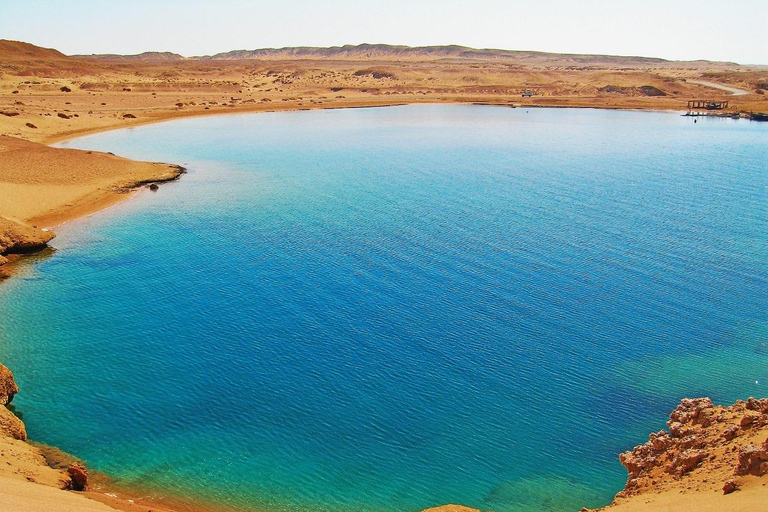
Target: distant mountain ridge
point(146, 56)
point(386, 52)
point(361, 52)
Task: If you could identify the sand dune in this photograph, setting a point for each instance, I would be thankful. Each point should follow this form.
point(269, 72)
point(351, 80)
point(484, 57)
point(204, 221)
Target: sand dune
point(22, 496)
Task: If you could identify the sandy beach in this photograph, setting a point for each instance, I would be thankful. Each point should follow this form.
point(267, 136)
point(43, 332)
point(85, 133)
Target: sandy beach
point(42, 187)
point(47, 97)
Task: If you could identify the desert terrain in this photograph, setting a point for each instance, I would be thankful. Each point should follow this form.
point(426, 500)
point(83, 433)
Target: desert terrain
point(63, 96)
point(46, 96)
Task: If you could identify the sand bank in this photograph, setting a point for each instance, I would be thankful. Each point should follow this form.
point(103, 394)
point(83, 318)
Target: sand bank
point(41, 187)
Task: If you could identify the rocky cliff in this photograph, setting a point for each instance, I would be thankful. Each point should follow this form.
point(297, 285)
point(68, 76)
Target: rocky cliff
point(10, 424)
point(21, 460)
point(16, 237)
point(8, 387)
point(712, 458)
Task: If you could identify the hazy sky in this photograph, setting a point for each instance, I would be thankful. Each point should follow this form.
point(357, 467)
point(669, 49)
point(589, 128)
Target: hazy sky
point(673, 29)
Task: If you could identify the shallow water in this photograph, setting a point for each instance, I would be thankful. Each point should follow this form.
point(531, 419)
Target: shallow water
point(389, 309)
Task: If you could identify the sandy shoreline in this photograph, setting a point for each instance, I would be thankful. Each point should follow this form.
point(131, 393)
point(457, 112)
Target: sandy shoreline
point(42, 187)
point(98, 196)
point(171, 116)
point(121, 184)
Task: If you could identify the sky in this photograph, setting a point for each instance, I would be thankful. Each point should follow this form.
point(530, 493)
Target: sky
point(671, 29)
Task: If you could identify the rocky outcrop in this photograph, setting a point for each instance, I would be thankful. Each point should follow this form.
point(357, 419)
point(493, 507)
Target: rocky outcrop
point(21, 460)
point(730, 486)
point(78, 474)
point(11, 425)
point(753, 460)
point(20, 238)
point(8, 386)
point(643, 90)
point(707, 447)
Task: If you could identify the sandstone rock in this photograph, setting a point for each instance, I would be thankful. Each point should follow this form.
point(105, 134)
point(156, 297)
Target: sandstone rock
point(689, 410)
point(677, 429)
point(8, 387)
point(705, 450)
point(685, 462)
point(12, 426)
point(16, 237)
point(749, 419)
point(690, 441)
point(635, 462)
point(729, 486)
point(760, 405)
point(730, 432)
point(753, 460)
point(660, 441)
point(79, 475)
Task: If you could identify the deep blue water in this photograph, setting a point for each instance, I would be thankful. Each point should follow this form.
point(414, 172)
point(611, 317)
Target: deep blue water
point(389, 309)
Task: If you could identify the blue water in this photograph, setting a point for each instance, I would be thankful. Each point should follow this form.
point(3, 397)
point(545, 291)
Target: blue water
point(389, 309)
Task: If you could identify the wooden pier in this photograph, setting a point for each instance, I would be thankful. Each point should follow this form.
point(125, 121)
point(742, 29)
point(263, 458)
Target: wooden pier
point(707, 105)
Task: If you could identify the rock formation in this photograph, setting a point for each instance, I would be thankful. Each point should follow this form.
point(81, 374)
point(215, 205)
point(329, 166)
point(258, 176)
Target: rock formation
point(17, 237)
point(753, 460)
point(707, 448)
point(11, 425)
point(79, 475)
point(8, 387)
point(27, 481)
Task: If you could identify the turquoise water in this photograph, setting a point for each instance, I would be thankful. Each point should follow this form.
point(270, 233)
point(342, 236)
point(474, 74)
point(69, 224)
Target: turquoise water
point(389, 309)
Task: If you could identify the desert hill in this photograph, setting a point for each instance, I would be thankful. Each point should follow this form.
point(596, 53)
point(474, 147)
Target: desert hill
point(141, 57)
point(451, 52)
point(15, 50)
point(387, 52)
